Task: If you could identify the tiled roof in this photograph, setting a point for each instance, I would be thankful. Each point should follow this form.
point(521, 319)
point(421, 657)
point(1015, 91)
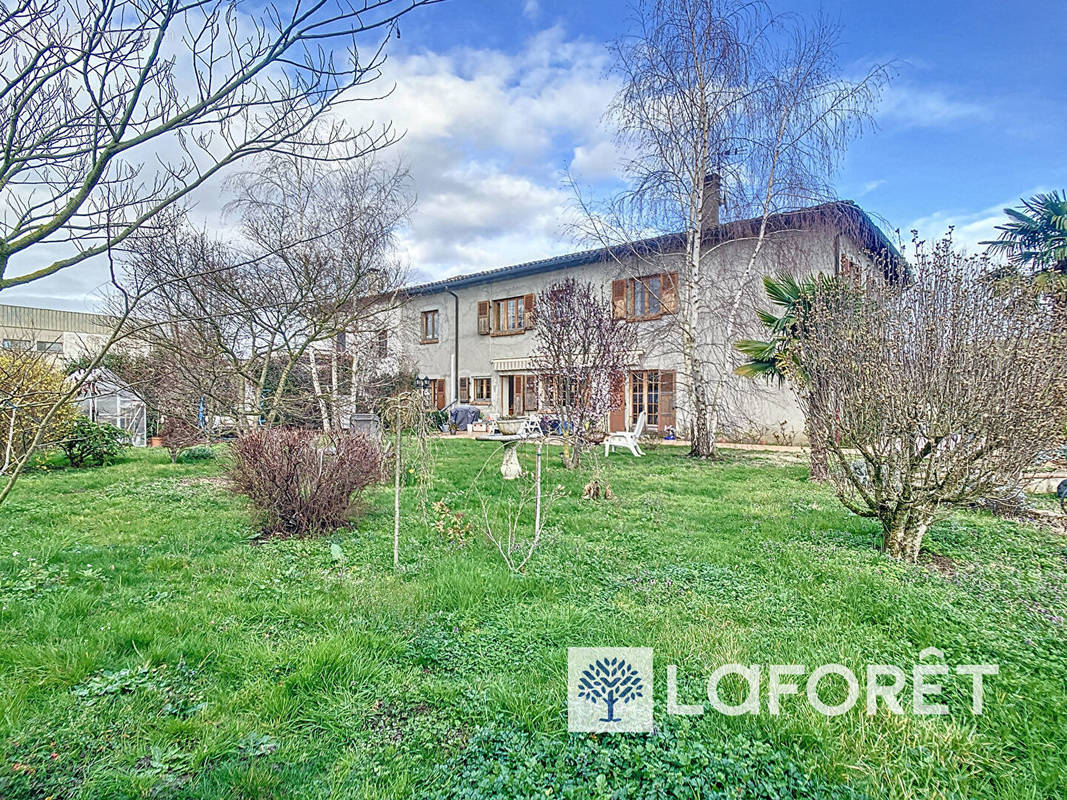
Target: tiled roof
point(843, 215)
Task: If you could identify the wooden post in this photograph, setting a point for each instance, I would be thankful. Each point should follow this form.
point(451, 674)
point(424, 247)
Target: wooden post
point(396, 494)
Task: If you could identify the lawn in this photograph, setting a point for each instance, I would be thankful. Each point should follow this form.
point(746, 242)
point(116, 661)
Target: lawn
point(150, 648)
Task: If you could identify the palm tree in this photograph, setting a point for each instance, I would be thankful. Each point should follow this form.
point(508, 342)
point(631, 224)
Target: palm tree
point(1035, 240)
point(771, 359)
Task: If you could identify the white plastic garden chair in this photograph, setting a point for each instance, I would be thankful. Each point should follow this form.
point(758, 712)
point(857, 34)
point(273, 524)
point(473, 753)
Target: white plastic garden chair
point(627, 439)
point(531, 427)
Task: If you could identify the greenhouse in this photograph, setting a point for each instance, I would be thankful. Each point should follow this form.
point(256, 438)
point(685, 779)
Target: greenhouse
point(104, 397)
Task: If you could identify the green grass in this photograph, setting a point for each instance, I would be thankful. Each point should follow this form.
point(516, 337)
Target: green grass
point(148, 648)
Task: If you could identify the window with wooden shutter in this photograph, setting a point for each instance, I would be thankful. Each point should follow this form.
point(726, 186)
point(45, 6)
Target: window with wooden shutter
point(528, 316)
point(509, 316)
point(618, 298)
point(430, 322)
point(464, 390)
point(483, 390)
point(483, 318)
point(670, 292)
point(644, 297)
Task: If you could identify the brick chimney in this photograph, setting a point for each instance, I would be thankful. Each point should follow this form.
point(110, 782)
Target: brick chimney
point(709, 211)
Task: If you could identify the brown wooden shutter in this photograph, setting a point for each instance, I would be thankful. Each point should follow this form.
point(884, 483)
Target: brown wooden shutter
point(618, 299)
point(529, 397)
point(528, 311)
point(669, 282)
point(517, 394)
point(666, 400)
point(617, 417)
point(440, 387)
point(483, 317)
point(464, 390)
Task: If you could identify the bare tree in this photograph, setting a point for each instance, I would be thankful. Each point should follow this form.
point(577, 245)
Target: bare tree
point(248, 319)
point(580, 360)
point(723, 100)
point(114, 110)
point(930, 394)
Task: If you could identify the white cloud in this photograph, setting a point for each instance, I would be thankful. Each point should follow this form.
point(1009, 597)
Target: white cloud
point(969, 228)
point(489, 139)
point(531, 9)
point(871, 186)
point(914, 107)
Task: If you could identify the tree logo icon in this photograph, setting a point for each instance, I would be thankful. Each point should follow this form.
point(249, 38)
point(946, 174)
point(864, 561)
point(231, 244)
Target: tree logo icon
point(610, 681)
point(609, 689)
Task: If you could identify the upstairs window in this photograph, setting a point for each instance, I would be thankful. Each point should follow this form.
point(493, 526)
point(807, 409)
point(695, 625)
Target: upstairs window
point(510, 315)
point(430, 321)
point(50, 347)
point(506, 317)
point(645, 294)
point(648, 297)
point(18, 345)
point(383, 344)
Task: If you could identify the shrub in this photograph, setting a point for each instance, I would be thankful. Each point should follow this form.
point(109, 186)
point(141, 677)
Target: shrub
point(178, 435)
point(199, 453)
point(946, 388)
point(29, 386)
point(94, 444)
point(304, 482)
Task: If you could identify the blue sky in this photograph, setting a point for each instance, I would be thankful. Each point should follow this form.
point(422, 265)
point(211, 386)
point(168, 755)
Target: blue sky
point(501, 99)
point(976, 116)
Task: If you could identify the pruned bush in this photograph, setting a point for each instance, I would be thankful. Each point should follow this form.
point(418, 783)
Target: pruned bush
point(179, 435)
point(304, 482)
point(94, 444)
point(933, 393)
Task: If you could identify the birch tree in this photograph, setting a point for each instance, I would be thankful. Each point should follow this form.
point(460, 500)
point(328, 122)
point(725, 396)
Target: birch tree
point(723, 101)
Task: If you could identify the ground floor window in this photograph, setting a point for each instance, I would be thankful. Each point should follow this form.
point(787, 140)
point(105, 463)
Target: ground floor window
point(644, 396)
point(483, 390)
point(648, 390)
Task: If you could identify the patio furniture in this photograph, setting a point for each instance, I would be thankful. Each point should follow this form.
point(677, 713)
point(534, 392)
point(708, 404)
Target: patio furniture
point(509, 467)
point(627, 439)
point(531, 427)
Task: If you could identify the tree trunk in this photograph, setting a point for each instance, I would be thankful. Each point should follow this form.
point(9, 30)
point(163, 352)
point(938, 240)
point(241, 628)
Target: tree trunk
point(396, 492)
point(702, 443)
point(818, 462)
point(316, 385)
point(904, 534)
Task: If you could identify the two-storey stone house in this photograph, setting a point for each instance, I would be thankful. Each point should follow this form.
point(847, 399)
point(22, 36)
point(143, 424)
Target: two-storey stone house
point(472, 335)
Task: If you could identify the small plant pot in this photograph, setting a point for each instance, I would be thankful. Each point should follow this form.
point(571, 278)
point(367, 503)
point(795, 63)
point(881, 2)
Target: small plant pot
point(155, 441)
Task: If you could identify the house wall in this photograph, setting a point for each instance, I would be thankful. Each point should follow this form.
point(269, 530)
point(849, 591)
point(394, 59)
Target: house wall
point(753, 409)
